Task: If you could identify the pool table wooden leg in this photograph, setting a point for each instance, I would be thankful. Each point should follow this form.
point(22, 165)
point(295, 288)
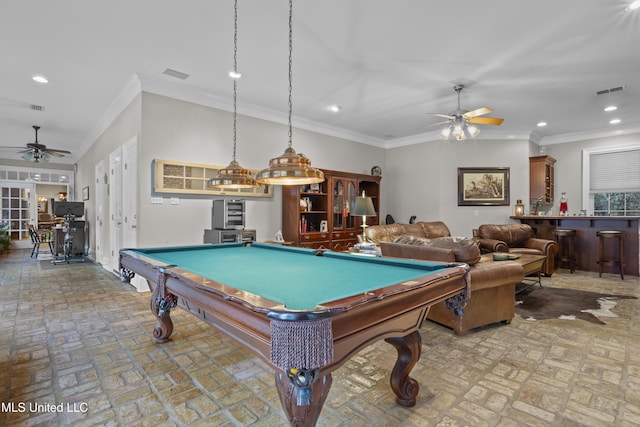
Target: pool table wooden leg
point(302, 415)
point(163, 331)
point(409, 348)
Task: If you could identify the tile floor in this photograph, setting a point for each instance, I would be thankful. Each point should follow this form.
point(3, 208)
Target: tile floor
point(76, 349)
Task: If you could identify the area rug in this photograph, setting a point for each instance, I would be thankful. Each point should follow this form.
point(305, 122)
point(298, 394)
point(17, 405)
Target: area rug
point(536, 303)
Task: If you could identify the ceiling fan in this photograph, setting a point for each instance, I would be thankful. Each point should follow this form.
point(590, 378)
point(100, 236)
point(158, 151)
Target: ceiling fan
point(37, 152)
point(461, 122)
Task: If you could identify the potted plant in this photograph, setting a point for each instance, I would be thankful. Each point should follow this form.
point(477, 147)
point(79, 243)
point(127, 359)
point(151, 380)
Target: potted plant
point(5, 239)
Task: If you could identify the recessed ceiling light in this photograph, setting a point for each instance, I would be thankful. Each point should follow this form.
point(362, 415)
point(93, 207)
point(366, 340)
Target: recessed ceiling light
point(614, 121)
point(633, 6)
point(335, 108)
point(542, 124)
point(611, 108)
point(40, 79)
point(235, 74)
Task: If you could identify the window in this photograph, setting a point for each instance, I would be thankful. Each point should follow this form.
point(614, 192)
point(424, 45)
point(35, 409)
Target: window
point(614, 181)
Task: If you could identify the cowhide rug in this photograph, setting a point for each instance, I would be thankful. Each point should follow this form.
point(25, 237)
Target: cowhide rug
point(535, 303)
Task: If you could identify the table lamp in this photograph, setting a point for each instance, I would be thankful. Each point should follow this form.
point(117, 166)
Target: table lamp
point(363, 207)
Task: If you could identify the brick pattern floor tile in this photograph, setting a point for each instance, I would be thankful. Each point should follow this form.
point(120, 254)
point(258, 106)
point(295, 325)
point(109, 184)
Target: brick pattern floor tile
point(77, 349)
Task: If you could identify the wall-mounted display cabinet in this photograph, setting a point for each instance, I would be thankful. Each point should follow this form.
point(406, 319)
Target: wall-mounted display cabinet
point(191, 178)
point(318, 215)
point(541, 179)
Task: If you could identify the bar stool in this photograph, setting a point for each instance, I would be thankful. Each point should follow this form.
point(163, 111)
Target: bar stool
point(619, 261)
point(568, 255)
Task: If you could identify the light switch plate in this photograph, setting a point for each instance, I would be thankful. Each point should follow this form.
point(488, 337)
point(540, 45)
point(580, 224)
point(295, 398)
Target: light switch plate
point(156, 200)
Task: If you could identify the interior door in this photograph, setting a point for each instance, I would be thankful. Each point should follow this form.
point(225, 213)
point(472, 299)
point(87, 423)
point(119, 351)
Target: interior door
point(99, 210)
point(123, 204)
point(115, 207)
point(130, 194)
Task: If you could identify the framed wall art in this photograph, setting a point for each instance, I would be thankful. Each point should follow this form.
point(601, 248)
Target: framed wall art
point(483, 186)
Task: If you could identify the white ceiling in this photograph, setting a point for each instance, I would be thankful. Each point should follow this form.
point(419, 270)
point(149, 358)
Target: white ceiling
point(386, 63)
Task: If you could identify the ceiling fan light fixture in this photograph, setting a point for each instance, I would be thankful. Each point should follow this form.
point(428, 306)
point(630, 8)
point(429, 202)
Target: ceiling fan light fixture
point(473, 131)
point(461, 123)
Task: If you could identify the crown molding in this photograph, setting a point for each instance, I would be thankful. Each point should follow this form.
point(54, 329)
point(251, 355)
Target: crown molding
point(163, 87)
point(122, 101)
point(141, 82)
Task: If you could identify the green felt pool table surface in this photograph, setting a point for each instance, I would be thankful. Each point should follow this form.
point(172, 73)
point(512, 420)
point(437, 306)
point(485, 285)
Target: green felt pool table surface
point(297, 278)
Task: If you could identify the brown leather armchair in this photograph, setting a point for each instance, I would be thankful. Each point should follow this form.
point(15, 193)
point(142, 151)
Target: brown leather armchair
point(516, 239)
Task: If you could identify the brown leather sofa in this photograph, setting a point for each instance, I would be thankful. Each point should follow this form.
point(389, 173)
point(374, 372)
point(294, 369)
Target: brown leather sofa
point(492, 283)
point(517, 239)
point(390, 232)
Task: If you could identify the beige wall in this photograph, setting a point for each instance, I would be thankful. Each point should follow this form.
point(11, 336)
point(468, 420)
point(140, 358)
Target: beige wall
point(182, 131)
point(417, 180)
point(123, 128)
point(422, 180)
point(568, 166)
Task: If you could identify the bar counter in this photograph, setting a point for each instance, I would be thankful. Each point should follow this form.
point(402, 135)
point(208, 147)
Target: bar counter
point(586, 241)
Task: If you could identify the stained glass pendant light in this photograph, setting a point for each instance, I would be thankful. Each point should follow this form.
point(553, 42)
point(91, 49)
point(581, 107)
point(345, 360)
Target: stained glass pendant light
point(290, 168)
point(234, 176)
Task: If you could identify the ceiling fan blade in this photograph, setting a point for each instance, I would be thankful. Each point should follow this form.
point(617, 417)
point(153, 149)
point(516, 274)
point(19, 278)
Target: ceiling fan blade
point(496, 121)
point(478, 112)
point(12, 148)
point(446, 116)
point(438, 124)
point(52, 153)
point(59, 153)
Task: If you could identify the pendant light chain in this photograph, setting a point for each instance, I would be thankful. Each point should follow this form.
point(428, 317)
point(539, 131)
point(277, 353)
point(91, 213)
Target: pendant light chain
point(234, 176)
point(290, 71)
point(235, 70)
point(290, 168)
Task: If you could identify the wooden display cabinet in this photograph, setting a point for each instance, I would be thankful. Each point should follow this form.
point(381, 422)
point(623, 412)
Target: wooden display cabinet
point(541, 179)
point(192, 178)
point(327, 223)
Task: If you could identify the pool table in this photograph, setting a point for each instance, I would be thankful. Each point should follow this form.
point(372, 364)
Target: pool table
point(303, 311)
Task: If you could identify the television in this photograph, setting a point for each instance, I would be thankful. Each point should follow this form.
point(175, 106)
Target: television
point(64, 209)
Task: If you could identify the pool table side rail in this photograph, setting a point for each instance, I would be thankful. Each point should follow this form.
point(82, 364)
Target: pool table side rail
point(387, 315)
point(150, 266)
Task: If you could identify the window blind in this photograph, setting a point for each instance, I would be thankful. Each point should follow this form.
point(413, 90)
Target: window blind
point(615, 171)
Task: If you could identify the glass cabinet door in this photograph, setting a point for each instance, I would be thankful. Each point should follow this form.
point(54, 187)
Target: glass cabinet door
point(350, 201)
point(338, 205)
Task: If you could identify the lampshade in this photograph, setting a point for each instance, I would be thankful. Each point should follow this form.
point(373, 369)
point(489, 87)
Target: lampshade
point(291, 168)
point(36, 156)
point(363, 207)
point(460, 130)
point(234, 176)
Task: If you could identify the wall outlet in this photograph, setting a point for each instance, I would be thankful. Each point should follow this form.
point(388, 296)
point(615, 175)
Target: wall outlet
point(175, 201)
point(157, 200)
point(475, 212)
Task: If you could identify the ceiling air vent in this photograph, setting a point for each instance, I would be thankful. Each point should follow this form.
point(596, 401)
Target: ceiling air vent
point(176, 74)
point(37, 107)
point(611, 90)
